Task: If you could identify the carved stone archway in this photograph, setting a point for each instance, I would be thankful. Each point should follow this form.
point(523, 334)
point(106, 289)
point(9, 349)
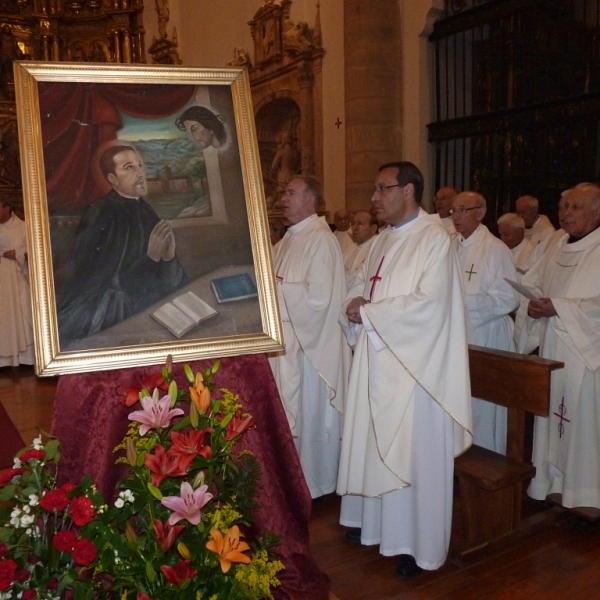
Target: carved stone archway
point(286, 83)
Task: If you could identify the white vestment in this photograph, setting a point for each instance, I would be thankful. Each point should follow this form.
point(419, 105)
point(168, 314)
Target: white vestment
point(565, 451)
point(448, 223)
point(311, 374)
point(353, 261)
point(523, 255)
point(16, 333)
point(485, 261)
point(345, 241)
point(408, 408)
point(541, 229)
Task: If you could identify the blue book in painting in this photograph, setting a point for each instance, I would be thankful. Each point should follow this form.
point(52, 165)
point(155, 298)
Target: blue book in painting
point(234, 287)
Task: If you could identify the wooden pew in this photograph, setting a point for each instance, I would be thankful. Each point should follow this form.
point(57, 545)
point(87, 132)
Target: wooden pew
point(490, 485)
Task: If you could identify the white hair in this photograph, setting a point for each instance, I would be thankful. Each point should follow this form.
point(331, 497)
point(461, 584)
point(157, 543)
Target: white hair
point(513, 220)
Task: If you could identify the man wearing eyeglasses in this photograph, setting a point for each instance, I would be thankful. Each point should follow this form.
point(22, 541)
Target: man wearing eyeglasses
point(485, 262)
point(565, 322)
point(408, 409)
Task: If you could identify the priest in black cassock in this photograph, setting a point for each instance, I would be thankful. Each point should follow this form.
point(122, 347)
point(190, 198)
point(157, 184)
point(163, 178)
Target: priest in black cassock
point(123, 258)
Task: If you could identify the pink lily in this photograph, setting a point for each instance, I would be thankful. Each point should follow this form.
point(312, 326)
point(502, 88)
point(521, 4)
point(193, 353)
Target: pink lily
point(188, 504)
point(156, 413)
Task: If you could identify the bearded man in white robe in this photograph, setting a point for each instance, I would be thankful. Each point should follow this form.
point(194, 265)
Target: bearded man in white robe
point(565, 322)
point(16, 332)
point(485, 262)
point(364, 229)
point(311, 374)
point(408, 410)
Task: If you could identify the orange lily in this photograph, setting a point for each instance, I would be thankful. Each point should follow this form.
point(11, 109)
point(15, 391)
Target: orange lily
point(229, 548)
point(200, 394)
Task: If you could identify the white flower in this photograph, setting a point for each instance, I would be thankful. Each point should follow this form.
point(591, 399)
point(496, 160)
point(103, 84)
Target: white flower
point(119, 503)
point(33, 500)
point(127, 496)
point(27, 520)
point(17, 463)
point(37, 443)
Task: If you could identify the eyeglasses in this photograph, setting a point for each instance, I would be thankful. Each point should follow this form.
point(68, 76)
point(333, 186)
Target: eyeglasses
point(462, 211)
point(381, 187)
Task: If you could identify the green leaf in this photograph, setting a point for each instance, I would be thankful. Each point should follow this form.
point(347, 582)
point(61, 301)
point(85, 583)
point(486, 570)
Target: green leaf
point(51, 449)
point(7, 492)
point(150, 573)
point(155, 492)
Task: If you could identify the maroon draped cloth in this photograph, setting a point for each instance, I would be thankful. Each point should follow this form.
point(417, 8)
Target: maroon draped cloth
point(80, 119)
point(90, 419)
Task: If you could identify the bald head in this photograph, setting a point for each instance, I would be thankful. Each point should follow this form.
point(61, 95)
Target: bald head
point(528, 209)
point(342, 219)
point(443, 201)
point(468, 210)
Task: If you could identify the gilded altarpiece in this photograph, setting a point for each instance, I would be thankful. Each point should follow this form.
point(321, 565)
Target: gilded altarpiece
point(99, 31)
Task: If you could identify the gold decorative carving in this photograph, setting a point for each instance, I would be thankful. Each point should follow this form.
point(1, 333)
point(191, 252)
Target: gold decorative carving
point(163, 50)
point(97, 31)
point(285, 79)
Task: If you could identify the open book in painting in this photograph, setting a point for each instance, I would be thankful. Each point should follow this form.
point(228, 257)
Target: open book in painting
point(183, 313)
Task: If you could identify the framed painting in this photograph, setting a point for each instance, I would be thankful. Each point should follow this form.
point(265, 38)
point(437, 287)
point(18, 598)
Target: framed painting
point(146, 216)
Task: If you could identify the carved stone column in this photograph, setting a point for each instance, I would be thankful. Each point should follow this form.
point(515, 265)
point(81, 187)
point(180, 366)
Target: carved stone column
point(373, 63)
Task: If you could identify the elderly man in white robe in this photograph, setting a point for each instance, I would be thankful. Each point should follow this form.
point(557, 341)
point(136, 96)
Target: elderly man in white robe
point(364, 229)
point(408, 411)
point(311, 373)
point(16, 332)
point(537, 227)
point(485, 262)
point(565, 323)
point(342, 219)
point(511, 228)
point(443, 203)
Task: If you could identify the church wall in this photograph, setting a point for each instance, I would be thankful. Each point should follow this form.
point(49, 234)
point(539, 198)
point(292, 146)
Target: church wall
point(208, 32)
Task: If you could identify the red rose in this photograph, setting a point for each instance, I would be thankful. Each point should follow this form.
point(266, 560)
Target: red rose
point(32, 559)
point(82, 510)
point(54, 500)
point(64, 541)
point(7, 476)
point(29, 595)
point(8, 568)
point(32, 455)
point(67, 487)
point(22, 576)
point(84, 552)
point(52, 584)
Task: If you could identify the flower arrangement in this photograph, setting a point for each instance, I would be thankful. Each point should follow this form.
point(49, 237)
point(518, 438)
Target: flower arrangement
point(176, 528)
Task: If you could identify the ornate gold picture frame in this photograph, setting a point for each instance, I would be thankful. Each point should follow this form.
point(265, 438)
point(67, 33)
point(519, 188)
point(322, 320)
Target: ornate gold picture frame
point(145, 214)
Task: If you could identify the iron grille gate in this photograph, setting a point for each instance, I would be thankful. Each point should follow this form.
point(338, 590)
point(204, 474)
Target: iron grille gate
point(517, 99)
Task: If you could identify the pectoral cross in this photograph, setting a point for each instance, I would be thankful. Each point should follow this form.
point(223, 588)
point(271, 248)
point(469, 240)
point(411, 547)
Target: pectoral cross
point(471, 272)
point(561, 415)
point(375, 279)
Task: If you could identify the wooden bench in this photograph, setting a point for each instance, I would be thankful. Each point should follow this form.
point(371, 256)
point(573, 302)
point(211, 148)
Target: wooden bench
point(490, 484)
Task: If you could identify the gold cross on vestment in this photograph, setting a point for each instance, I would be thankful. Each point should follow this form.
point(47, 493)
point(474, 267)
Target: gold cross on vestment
point(471, 272)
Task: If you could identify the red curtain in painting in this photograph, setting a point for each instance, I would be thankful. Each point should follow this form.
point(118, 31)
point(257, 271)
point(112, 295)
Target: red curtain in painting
point(78, 118)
